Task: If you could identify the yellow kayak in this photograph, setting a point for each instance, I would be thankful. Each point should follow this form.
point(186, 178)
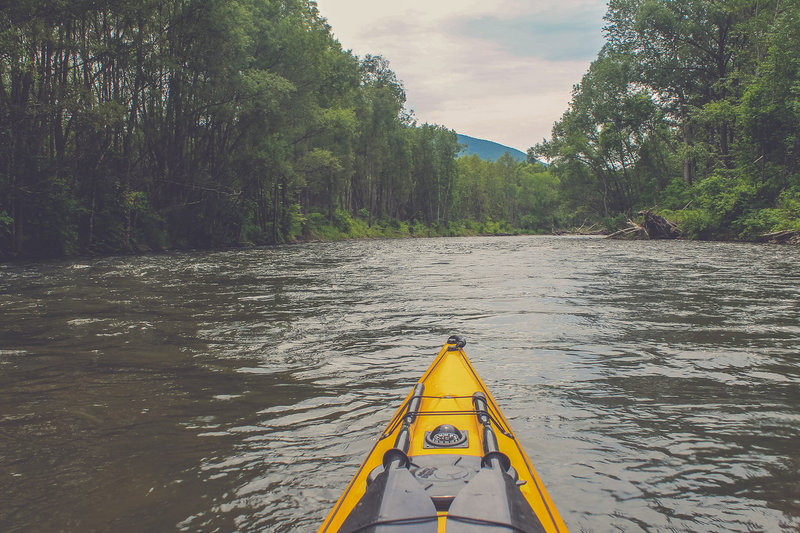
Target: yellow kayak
point(447, 462)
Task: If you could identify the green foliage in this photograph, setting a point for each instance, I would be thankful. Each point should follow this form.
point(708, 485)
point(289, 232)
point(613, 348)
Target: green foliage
point(343, 221)
point(318, 228)
point(525, 195)
point(676, 195)
point(133, 126)
point(148, 226)
point(55, 231)
point(690, 108)
point(491, 227)
point(346, 226)
point(209, 124)
point(789, 206)
point(615, 223)
point(786, 216)
point(608, 150)
point(727, 194)
point(694, 223)
point(5, 224)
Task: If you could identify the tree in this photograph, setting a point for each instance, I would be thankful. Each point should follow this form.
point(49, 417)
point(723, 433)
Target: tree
point(770, 107)
point(606, 147)
point(688, 52)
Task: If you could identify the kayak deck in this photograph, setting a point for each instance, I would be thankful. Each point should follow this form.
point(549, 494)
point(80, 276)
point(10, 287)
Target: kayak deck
point(447, 461)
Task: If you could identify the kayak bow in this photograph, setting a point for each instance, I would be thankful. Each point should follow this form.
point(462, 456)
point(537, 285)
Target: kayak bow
point(447, 462)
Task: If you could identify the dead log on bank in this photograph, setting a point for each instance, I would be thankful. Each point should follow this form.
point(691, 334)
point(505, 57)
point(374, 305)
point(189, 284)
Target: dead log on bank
point(653, 227)
point(658, 227)
point(781, 237)
point(633, 231)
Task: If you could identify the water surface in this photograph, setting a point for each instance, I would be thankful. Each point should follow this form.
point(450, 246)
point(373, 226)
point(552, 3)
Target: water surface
point(655, 385)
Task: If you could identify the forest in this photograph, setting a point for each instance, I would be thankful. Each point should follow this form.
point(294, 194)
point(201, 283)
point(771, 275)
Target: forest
point(136, 125)
point(691, 109)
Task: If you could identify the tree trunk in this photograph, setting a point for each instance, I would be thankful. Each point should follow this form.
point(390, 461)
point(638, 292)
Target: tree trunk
point(275, 212)
point(17, 211)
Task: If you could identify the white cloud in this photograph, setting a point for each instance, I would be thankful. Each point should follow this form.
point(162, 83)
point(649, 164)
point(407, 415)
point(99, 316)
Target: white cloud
point(492, 81)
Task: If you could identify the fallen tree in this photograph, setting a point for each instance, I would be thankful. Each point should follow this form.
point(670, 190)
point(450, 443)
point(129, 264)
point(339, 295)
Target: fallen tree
point(658, 227)
point(652, 227)
point(781, 237)
point(633, 231)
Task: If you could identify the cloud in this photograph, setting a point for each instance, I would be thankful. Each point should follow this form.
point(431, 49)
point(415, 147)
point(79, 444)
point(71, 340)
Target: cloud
point(559, 36)
point(500, 70)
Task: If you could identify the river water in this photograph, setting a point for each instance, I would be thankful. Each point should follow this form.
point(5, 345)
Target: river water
point(655, 385)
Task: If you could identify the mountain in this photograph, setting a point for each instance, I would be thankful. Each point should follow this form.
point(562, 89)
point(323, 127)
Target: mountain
point(488, 150)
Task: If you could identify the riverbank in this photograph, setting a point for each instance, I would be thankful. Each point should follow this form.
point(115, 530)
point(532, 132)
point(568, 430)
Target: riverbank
point(349, 228)
point(346, 228)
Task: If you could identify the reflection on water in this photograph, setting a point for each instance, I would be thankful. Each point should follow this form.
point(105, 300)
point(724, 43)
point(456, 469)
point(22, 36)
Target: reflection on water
point(656, 386)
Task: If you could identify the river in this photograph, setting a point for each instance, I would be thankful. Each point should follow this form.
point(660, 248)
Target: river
point(655, 385)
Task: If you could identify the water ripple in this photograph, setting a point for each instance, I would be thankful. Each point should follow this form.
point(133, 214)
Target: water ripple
point(655, 386)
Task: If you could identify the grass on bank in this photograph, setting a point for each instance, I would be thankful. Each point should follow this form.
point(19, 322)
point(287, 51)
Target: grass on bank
point(343, 226)
point(698, 223)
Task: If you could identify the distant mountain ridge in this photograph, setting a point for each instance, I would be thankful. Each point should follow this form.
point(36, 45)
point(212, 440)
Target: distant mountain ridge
point(488, 150)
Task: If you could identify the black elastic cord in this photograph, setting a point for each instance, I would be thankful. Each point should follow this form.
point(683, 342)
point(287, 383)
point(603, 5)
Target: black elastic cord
point(492, 417)
point(424, 519)
point(481, 522)
point(395, 522)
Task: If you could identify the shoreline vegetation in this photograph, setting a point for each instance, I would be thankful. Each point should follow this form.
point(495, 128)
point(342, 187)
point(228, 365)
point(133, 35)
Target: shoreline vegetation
point(642, 228)
point(392, 229)
point(646, 226)
point(205, 124)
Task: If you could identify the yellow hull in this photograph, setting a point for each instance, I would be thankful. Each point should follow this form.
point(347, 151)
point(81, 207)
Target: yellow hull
point(446, 430)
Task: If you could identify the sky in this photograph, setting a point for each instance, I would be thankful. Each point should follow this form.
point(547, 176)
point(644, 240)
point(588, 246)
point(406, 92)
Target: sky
point(501, 70)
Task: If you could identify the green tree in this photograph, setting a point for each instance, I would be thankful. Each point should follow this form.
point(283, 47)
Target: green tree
point(689, 52)
point(608, 148)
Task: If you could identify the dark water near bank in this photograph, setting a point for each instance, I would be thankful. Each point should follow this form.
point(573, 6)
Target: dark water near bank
point(656, 386)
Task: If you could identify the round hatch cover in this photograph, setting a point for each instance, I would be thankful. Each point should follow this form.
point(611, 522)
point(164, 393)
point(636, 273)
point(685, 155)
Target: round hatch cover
point(446, 436)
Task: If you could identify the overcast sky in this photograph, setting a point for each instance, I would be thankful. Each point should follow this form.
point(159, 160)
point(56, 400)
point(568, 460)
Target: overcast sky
point(501, 70)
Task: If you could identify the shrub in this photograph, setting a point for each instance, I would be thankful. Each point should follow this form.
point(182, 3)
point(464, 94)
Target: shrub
point(342, 220)
point(694, 223)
